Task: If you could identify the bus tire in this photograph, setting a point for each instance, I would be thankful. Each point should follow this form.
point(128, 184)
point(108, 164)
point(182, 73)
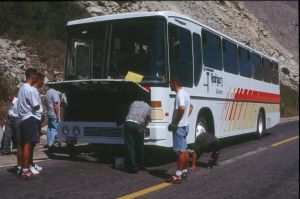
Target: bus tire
point(201, 126)
point(260, 127)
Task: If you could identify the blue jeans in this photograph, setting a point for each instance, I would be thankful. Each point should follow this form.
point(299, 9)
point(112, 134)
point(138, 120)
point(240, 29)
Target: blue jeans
point(52, 130)
point(134, 142)
point(179, 138)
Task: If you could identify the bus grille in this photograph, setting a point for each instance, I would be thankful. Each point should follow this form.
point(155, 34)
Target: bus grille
point(103, 131)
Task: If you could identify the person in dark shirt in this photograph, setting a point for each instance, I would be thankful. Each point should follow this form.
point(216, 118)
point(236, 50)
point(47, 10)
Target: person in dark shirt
point(206, 143)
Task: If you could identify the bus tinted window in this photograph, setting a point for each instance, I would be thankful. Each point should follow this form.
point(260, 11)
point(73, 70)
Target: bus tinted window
point(230, 60)
point(138, 45)
point(212, 54)
point(86, 51)
point(275, 75)
point(256, 66)
point(197, 58)
point(180, 48)
point(245, 62)
point(267, 72)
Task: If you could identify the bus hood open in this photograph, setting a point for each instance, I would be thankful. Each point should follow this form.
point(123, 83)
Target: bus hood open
point(99, 85)
point(99, 100)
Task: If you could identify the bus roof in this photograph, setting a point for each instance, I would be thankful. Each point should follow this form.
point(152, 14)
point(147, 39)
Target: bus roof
point(166, 14)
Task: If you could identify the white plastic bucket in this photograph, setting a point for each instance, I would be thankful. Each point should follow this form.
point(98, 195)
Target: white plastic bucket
point(119, 163)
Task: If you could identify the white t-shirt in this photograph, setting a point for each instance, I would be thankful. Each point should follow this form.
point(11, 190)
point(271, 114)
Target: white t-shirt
point(26, 102)
point(38, 114)
point(13, 108)
point(182, 99)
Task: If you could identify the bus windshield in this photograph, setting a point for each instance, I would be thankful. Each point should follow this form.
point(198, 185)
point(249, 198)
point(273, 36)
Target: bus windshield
point(109, 50)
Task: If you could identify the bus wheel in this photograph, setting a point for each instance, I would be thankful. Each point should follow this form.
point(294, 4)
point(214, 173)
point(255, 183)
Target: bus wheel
point(260, 126)
point(201, 126)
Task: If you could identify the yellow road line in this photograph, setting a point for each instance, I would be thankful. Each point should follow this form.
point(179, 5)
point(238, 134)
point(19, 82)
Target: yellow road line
point(164, 185)
point(284, 141)
point(145, 191)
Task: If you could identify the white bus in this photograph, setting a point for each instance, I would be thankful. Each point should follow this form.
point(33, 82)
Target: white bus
point(233, 88)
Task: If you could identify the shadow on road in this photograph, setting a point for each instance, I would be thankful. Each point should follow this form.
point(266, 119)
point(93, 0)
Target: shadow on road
point(106, 154)
point(239, 139)
point(154, 155)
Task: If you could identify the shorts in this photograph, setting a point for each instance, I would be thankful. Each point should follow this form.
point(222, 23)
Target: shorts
point(30, 131)
point(213, 147)
point(179, 138)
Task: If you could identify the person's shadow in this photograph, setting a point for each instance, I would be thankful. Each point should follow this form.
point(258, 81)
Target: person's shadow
point(159, 173)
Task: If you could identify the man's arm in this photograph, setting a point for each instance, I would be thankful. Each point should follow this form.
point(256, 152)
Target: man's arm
point(56, 109)
point(191, 109)
point(179, 115)
point(194, 158)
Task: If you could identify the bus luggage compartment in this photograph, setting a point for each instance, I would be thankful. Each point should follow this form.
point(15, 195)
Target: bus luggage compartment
point(92, 104)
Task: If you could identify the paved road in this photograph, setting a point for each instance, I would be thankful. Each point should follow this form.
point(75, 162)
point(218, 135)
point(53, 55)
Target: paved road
point(248, 168)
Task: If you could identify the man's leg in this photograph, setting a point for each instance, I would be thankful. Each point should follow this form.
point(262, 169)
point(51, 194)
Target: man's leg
point(140, 151)
point(19, 156)
point(31, 154)
point(214, 154)
point(181, 163)
point(51, 131)
point(26, 155)
point(7, 135)
point(130, 145)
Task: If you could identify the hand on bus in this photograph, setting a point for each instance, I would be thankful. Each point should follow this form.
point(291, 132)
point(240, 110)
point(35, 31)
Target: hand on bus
point(172, 127)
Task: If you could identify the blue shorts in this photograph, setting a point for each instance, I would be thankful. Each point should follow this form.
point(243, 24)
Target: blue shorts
point(29, 131)
point(179, 138)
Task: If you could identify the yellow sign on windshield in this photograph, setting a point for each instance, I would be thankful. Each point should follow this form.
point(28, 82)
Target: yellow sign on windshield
point(134, 77)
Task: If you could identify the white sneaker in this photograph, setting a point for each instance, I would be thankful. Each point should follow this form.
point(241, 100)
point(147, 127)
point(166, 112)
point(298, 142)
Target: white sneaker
point(34, 171)
point(38, 168)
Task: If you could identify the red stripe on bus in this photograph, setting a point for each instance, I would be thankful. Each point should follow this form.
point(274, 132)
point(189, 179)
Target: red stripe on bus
point(232, 95)
point(240, 111)
point(238, 90)
point(257, 96)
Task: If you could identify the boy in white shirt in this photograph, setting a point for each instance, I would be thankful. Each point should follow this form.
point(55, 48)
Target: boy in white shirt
point(27, 105)
point(34, 168)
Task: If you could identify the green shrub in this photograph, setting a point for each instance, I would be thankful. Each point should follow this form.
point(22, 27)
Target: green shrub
point(36, 19)
point(289, 101)
point(285, 71)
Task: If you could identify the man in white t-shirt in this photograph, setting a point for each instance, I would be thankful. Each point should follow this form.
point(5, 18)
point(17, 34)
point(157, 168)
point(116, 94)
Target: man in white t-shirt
point(34, 168)
point(180, 129)
point(12, 130)
point(28, 104)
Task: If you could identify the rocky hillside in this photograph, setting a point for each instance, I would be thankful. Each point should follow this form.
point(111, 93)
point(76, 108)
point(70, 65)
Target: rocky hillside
point(241, 20)
point(234, 19)
point(252, 23)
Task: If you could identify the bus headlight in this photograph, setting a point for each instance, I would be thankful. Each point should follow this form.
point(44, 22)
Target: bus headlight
point(146, 132)
point(76, 130)
point(66, 130)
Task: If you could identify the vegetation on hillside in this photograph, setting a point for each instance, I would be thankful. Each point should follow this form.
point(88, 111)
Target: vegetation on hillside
point(45, 19)
point(289, 101)
point(42, 27)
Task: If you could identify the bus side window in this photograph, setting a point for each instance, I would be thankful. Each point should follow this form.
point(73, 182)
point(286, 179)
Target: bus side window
point(197, 58)
point(245, 62)
point(267, 72)
point(180, 48)
point(212, 52)
point(230, 60)
point(256, 66)
point(275, 75)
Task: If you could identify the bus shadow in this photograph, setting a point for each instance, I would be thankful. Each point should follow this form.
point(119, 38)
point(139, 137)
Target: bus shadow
point(154, 155)
point(239, 139)
point(106, 154)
